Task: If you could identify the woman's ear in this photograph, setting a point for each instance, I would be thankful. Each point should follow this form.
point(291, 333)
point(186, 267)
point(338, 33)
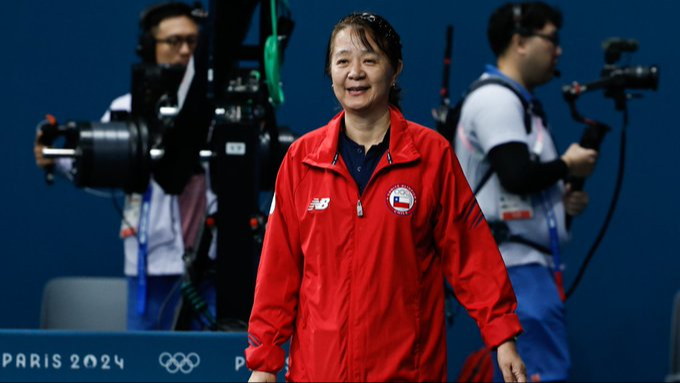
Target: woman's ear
point(400, 67)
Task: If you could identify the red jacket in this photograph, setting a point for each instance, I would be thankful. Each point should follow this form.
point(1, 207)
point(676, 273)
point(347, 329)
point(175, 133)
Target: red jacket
point(358, 281)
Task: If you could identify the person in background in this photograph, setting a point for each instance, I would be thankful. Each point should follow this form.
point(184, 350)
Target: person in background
point(507, 153)
point(168, 36)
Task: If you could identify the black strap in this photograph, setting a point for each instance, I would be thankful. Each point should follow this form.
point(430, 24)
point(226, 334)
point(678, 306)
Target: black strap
point(501, 233)
point(447, 123)
point(527, 114)
point(500, 229)
point(485, 178)
point(504, 83)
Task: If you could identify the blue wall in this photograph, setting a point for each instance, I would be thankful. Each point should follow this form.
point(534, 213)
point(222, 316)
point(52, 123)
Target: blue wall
point(71, 58)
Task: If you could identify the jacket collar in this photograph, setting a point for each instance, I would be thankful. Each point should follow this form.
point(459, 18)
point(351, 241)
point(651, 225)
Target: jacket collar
point(402, 148)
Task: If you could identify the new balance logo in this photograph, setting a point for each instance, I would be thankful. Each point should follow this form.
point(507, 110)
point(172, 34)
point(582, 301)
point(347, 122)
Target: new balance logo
point(319, 204)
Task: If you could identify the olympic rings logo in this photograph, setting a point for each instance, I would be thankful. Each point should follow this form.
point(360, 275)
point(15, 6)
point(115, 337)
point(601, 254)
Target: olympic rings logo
point(179, 362)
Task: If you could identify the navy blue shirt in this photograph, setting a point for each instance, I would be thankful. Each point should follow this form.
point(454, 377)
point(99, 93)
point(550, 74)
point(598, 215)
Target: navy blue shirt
point(360, 164)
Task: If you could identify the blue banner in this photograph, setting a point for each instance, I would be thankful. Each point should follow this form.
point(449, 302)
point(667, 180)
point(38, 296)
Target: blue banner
point(50, 356)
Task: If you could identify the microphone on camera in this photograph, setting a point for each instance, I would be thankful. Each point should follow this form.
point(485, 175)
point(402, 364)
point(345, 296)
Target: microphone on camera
point(622, 45)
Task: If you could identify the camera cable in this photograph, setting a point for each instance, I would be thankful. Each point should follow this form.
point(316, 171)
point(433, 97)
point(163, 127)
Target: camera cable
point(610, 212)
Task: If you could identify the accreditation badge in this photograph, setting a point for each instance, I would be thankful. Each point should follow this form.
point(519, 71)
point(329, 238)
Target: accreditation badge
point(513, 207)
point(131, 214)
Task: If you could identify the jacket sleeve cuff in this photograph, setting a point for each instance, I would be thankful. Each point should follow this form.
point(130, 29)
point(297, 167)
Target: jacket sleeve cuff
point(265, 358)
point(501, 330)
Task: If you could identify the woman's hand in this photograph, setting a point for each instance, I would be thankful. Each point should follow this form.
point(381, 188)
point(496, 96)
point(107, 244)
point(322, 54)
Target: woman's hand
point(259, 376)
point(511, 363)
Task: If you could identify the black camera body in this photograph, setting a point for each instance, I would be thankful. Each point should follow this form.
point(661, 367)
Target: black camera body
point(633, 77)
point(616, 80)
point(118, 153)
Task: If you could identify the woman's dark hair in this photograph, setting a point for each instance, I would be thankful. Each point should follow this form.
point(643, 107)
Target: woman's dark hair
point(521, 18)
point(385, 37)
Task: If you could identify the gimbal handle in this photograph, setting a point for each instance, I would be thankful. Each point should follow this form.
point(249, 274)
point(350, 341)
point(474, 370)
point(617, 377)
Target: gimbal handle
point(594, 133)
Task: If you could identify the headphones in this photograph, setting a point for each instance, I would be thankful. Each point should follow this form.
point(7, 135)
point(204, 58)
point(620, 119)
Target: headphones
point(151, 17)
point(517, 20)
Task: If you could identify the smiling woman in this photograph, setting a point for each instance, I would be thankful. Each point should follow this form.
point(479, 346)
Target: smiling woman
point(364, 74)
point(371, 213)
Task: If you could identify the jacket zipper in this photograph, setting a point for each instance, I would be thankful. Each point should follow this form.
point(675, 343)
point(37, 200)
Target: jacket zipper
point(360, 208)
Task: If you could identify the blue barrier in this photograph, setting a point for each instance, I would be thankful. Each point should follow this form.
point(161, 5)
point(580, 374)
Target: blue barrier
point(50, 356)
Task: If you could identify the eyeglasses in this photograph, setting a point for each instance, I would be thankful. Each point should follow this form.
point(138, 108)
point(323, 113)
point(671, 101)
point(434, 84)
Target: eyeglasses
point(554, 38)
point(383, 26)
point(176, 42)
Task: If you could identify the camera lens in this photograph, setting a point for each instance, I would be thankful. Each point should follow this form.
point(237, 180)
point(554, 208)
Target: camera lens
point(113, 155)
point(638, 77)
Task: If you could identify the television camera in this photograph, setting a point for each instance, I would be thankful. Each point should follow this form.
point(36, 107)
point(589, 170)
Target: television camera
point(615, 81)
point(220, 110)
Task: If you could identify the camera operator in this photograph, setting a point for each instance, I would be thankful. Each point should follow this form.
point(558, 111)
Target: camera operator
point(168, 36)
point(508, 155)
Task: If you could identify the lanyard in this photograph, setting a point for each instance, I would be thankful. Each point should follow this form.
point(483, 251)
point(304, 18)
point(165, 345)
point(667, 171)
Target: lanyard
point(554, 245)
point(143, 251)
point(552, 220)
point(549, 212)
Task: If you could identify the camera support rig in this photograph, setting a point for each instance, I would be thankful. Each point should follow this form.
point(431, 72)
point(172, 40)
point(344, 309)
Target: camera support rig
point(227, 106)
point(615, 82)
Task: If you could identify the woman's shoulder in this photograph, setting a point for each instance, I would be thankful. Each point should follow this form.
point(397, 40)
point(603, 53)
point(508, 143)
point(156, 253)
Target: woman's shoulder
point(425, 135)
point(309, 141)
point(312, 147)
